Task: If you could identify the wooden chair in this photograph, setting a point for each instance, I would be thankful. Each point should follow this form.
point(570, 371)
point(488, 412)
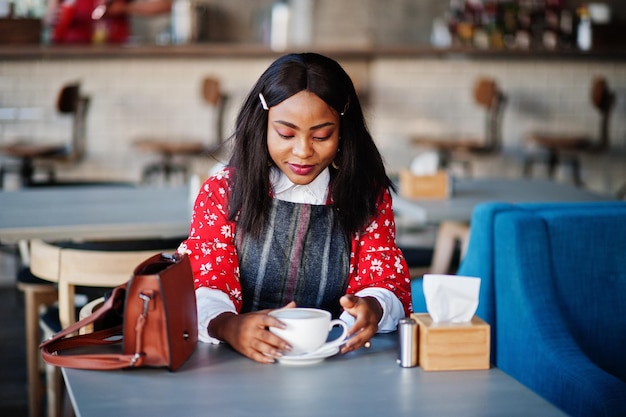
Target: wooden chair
point(565, 149)
point(71, 102)
point(86, 311)
point(458, 150)
point(72, 265)
point(450, 236)
point(169, 150)
point(38, 294)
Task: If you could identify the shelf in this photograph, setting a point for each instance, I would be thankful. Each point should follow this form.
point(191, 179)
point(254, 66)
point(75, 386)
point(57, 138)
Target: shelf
point(244, 51)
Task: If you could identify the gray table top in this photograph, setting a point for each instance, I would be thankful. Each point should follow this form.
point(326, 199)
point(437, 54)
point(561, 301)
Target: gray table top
point(218, 381)
point(57, 213)
point(86, 212)
point(467, 193)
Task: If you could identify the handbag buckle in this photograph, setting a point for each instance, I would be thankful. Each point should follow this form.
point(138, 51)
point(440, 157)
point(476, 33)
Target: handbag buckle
point(135, 358)
point(146, 302)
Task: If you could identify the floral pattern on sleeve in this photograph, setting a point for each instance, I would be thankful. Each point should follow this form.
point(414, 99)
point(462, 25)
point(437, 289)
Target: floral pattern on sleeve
point(211, 242)
point(375, 260)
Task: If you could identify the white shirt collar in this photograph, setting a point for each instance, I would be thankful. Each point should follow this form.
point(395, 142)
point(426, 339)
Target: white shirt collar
point(316, 192)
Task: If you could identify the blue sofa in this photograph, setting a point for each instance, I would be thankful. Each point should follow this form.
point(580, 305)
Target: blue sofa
point(553, 290)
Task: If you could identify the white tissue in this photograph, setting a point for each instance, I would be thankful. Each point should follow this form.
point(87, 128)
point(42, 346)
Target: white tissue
point(451, 298)
point(425, 163)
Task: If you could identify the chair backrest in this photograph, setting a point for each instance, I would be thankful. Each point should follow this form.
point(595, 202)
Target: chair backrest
point(559, 280)
point(212, 94)
point(84, 267)
point(67, 101)
point(44, 260)
point(479, 260)
point(71, 102)
point(603, 99)
point(488, 94)
point(583, 260)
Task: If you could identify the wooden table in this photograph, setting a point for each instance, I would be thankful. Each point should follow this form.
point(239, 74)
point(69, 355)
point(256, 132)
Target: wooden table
point(94, 212)
point(218, 381)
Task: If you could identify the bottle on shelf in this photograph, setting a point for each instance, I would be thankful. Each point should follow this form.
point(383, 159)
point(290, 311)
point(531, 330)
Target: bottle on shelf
point(584, 36)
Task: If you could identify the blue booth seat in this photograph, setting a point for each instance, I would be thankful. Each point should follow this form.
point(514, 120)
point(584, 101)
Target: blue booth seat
point(553, 290)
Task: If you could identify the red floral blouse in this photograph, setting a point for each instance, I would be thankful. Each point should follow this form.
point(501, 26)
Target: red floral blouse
point(375, 260)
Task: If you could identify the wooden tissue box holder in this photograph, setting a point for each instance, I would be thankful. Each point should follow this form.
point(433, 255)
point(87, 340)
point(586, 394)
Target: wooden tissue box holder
point(452, 346)
point(424, 186)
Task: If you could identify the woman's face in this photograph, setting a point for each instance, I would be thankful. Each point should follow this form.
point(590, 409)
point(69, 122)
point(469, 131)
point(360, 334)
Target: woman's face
point(302, 136)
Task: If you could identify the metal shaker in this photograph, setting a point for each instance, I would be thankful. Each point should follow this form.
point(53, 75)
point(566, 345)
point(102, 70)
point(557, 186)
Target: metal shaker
point(407, 334)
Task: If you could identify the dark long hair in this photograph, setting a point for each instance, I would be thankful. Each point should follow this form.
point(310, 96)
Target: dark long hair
point(360, 178)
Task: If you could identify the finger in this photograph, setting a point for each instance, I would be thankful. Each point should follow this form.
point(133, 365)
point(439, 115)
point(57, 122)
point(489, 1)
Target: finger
point(271, 344)
point(261, 357)
point(353, 344)
point(356, 342)
point(348, 301)
point(359, 339)
point(264, 348)
point(264, 320)
point(359, 325)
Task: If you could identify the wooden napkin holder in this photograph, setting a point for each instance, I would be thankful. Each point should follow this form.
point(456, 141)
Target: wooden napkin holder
point(424, 186)
point(452, 346)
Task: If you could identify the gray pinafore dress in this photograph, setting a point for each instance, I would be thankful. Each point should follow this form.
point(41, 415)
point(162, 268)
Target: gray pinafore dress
point(302, 255)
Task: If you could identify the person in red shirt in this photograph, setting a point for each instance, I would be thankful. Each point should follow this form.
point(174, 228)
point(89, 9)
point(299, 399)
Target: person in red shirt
point(88, 21)
point(300, 216)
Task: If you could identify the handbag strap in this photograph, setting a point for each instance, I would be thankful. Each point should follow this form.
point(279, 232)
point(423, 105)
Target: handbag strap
point(51, 348)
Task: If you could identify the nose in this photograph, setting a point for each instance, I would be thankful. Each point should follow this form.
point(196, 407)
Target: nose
point(302, 147)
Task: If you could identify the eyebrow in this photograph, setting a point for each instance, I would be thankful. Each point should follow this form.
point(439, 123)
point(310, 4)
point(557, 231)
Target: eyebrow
point(291, 125)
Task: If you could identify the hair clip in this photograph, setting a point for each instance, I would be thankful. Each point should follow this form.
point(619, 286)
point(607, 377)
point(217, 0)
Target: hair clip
point(263, 102)
point(345, 108)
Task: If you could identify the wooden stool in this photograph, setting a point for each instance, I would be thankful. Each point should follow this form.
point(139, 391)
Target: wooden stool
point(70, 102)
point(36, 294)
point(169, 149)
point(456, 150)
point(564, 149)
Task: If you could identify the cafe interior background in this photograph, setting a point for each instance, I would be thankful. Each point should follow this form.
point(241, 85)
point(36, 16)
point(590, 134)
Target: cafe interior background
point(414, 63)
point(415, 78)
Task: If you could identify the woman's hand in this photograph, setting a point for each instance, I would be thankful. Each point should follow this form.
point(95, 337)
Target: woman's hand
point(367, 312)
point(249, 335)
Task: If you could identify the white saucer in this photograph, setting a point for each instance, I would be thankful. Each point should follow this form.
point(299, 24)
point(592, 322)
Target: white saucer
point(308, 358)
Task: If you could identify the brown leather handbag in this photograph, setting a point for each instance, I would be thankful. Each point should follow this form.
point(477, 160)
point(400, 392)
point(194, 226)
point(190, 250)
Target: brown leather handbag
point(156, 319)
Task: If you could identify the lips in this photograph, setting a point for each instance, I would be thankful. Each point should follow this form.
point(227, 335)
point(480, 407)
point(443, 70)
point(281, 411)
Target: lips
point(301, 169)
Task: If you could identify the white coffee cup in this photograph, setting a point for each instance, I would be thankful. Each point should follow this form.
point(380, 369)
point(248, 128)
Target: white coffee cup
point(307, 329)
